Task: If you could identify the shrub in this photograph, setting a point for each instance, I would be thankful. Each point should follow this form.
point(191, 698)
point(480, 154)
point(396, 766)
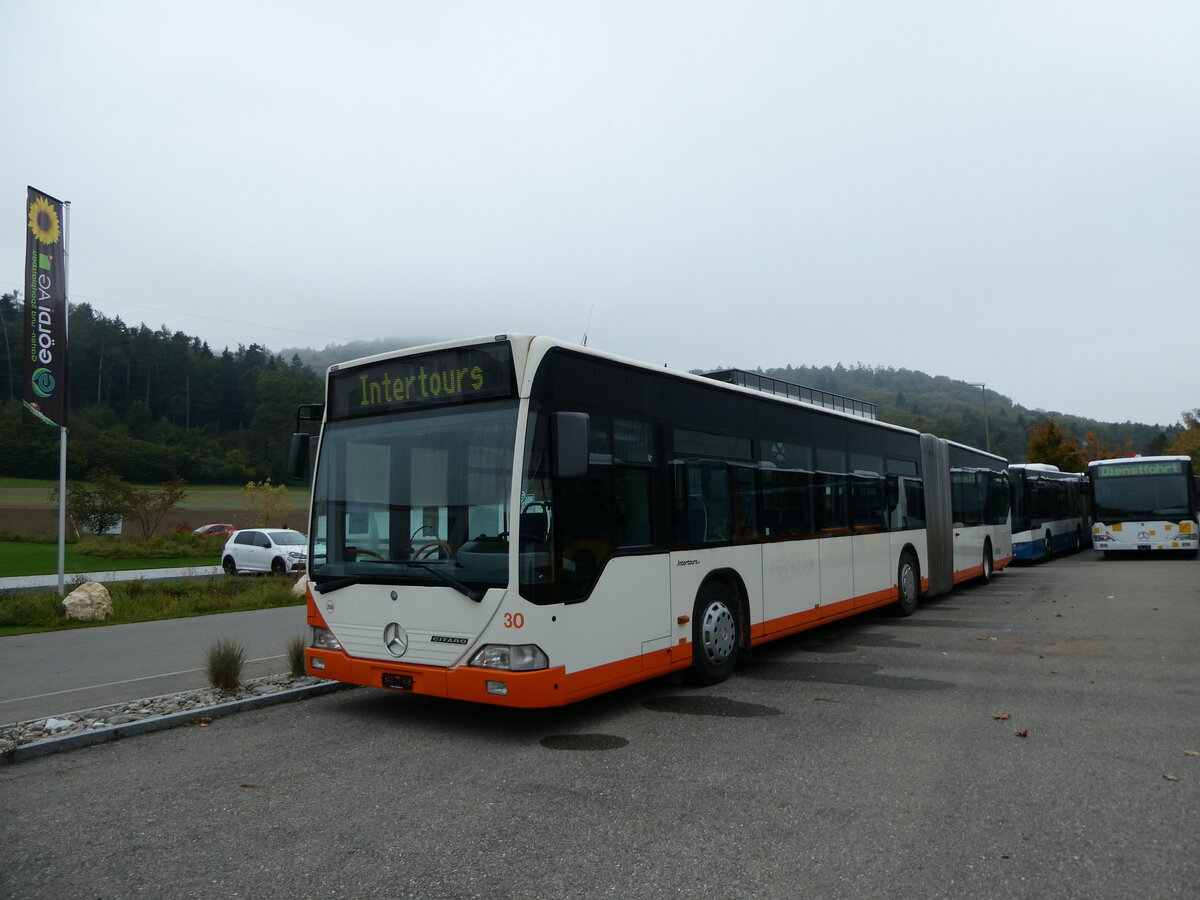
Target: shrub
point(294, 648)
point(223, 662)
point(32, 610)
point(33, 537)
point(174, 546)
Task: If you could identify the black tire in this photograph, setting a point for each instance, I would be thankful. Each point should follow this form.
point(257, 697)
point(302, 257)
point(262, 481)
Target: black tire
point(908, 585)
point(716, 634)
point(278, 566)
point(228, 565)
point(988, 564)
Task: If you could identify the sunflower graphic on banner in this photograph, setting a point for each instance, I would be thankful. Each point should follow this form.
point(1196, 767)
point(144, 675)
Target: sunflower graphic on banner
point(45, 347)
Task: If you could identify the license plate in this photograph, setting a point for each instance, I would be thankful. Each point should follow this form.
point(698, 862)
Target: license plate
point(397, 682)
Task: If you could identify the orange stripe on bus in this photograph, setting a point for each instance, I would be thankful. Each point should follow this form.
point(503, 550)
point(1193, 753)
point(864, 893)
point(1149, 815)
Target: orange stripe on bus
point(968, 574)
point(556, 687)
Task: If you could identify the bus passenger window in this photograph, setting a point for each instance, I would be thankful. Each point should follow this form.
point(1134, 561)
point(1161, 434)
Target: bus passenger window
point(746, 509)
point(788, 504)
point(703, 508)
point(633, 503)
point(867, 503)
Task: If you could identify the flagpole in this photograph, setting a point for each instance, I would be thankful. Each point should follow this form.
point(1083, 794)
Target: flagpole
point(62, 431)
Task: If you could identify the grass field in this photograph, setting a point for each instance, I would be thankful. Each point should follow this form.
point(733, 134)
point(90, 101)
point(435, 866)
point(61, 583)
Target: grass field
point(24, 558)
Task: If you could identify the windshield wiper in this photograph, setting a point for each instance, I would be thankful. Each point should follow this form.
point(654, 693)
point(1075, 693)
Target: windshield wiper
point(333, 584)
point(475, 595)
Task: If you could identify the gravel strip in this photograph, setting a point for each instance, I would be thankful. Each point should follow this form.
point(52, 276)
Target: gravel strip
point(53, 734)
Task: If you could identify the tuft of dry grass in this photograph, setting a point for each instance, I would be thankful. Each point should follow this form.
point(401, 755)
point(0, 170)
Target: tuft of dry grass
point(223, 661)
point(294, 648)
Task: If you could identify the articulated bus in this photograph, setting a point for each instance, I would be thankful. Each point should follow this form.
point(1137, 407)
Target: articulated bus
point(518, 521)
point(1049, 510)
point(1144, 503)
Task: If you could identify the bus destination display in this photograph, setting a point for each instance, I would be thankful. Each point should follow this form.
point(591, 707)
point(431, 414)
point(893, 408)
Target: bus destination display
point(461, 375)
point(1132, 469)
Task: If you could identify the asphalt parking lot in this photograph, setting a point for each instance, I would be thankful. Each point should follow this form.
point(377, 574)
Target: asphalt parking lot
point(1029, 738)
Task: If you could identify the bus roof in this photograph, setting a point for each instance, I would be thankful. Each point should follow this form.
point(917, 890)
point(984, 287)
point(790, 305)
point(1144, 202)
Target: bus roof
point(527, 345)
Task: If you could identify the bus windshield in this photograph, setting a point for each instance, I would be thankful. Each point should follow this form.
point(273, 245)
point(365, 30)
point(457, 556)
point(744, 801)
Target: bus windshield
point(398, 496)
point(1127, 498)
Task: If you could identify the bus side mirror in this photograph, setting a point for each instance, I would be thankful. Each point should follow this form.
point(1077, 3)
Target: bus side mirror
point(570, 444)
point(297, 461)
point(309, 412)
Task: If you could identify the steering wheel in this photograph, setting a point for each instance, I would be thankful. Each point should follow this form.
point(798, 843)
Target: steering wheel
point(438, 548)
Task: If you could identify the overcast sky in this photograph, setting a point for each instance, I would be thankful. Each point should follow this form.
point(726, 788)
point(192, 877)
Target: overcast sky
point(1002, 192)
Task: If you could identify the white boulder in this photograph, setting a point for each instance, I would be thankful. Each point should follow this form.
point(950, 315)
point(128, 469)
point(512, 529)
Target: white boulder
point(300, 587)
point(89, 602)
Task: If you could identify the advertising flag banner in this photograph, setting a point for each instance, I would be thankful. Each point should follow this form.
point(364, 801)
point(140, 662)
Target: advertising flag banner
point(45, 347)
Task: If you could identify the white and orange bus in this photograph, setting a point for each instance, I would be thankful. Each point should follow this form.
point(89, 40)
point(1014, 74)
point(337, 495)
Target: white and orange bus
point(518, 521)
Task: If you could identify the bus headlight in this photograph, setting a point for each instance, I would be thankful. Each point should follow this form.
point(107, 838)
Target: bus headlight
point(512, 657)
point(323, 639)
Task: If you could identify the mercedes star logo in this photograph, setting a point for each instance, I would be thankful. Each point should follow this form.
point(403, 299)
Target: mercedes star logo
point(395, 638)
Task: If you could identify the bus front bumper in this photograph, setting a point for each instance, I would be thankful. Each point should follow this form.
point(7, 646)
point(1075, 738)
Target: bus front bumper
point(500, 687)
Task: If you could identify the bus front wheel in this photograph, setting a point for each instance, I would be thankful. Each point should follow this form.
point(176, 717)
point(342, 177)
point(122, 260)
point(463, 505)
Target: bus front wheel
point(716, 634)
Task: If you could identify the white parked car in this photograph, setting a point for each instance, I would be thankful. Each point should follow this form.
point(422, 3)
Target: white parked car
point(275, 550)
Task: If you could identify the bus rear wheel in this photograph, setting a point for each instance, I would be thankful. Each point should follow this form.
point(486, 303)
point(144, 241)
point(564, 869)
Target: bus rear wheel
point(986, 577)
point(908, 585)
point(716, 634)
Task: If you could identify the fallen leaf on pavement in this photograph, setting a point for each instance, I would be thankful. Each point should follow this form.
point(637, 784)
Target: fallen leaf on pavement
point(1024, 733)
point(1002, 717)
point(1192, 752)
point(1171, 777)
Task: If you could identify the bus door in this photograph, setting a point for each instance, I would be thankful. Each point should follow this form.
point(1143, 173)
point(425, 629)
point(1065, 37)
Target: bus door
point(967, 501)
point(715, 529)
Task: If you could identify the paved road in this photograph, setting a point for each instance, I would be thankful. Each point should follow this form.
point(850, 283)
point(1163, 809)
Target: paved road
point(63, 671)
point(861, 760)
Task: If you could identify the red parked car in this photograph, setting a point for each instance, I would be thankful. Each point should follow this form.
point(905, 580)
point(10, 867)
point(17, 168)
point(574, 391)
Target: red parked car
point(220, 528)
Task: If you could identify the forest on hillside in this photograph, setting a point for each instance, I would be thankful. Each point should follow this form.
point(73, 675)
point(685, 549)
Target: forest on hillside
point(956, 410)
point(153, 405)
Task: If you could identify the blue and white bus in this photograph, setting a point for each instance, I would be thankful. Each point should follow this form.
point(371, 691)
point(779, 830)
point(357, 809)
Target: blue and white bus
point(1049, 510)
point(1144, 503)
